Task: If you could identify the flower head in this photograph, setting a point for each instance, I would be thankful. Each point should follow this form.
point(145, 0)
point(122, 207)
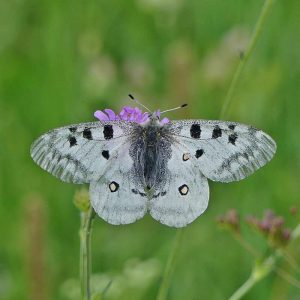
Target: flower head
point(230, 220)
point(133, 114)
point(272, 226)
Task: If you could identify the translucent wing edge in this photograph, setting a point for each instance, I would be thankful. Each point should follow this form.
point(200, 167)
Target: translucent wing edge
point(53, 161)
point(250, 161)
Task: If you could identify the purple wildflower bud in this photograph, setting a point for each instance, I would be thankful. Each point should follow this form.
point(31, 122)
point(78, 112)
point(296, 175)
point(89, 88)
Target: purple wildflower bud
point(230, 220)
point(286, 234)
point(264, 225)
point(232, 216)
point(272, 226)
point(278, 222)
point(269, 215)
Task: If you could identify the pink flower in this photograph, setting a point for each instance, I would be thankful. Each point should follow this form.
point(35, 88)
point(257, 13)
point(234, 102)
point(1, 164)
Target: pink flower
point(272, 226)
point(133, 114)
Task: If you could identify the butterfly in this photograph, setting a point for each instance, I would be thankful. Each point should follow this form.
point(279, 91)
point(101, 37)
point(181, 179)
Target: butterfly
point(152, 166)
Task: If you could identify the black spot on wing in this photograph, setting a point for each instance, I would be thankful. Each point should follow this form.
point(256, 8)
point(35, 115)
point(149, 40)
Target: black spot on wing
point(183, 190)
point(113, 186)
point(105, 154)
point(73, 129)
point(163, 193)
point(199, 153)
point(72, 141)
point(195, 131)
point(87, 134)
point(231, 126)
point(138, 192)
point(252, 130)
point(185, 156)
point(232, 138)
point(217, 132)
point(108, 132)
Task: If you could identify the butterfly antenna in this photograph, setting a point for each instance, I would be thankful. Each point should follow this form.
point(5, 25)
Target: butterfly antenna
point(181, 106)
point(139, 103)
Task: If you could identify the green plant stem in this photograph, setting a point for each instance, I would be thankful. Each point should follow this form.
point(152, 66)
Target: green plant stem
point(262, 269)
point(254, 38)
point(248, 284)
point(164, 287)
point(85, 252)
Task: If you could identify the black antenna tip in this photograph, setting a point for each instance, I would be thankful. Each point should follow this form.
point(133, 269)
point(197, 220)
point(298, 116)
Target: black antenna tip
point(184, 105)
point(131, 96)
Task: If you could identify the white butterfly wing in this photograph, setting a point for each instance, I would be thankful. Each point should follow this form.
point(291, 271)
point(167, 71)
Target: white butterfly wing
point(78, 153)
point(185, 195)
point(225, 151)
point(114, 196)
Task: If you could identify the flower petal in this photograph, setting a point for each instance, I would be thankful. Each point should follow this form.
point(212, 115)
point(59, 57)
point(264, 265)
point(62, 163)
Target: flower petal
point(144, 117)
point(101, 115)
point(128, 113)
point(164, 121)
point(157, 113)
point(111, 114)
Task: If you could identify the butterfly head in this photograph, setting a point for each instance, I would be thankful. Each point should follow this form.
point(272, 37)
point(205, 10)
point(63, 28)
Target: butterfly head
point(154, 118)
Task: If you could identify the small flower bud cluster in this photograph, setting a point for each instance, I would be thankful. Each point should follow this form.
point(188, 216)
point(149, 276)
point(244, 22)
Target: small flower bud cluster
point(272, 227)
point(230, 220)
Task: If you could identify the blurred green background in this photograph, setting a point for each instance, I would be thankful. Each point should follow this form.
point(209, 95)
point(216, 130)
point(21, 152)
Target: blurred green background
point(62, 60)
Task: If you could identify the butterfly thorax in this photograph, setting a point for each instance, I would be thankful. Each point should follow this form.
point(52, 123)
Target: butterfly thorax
point(150, 155)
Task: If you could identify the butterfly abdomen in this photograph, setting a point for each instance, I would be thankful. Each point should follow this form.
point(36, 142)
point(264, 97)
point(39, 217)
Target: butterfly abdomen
point(149, 153)
point(151, 150)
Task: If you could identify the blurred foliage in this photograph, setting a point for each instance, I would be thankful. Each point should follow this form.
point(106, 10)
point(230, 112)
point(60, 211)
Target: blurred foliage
point(62, 60)
point(130, 283)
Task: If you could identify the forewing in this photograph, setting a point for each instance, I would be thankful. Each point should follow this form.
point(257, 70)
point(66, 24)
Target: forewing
point(224, 151)
point(185, 195)
point(78, 153)
point(114, 196)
